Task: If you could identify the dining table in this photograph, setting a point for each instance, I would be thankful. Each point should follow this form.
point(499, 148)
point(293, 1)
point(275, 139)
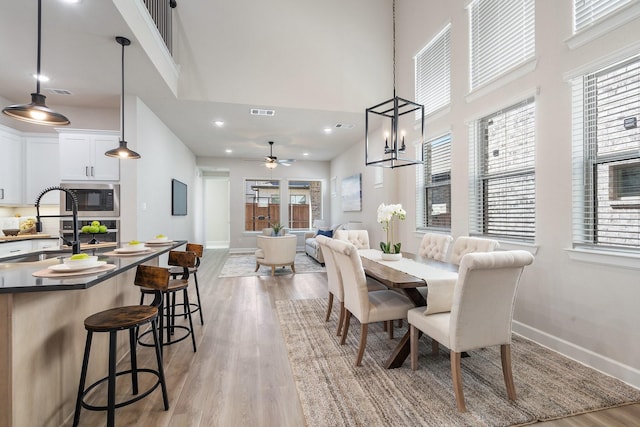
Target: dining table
point(410, 273)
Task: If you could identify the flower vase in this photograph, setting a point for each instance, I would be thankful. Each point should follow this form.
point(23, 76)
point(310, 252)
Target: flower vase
point(391, 257)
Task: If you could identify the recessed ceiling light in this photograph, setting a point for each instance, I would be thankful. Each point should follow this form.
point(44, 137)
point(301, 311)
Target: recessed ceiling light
point(305, 154)
point(42, 78)
point(219, 123)
point(228, 151)
point(71, 1)
point(328, 130)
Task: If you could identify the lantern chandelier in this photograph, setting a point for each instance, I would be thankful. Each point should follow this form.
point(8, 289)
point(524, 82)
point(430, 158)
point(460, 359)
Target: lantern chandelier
point(390, 123)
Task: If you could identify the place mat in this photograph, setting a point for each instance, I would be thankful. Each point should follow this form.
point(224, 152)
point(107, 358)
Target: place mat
point(57, 274)
point(138, 253)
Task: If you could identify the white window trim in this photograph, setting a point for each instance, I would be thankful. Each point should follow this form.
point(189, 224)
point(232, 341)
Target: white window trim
point(602, 62)
point(604, 257)
point(616, 19)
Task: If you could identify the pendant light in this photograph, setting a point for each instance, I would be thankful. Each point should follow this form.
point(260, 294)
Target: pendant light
point(389, 123)
point(36, 112)
point(122, 152)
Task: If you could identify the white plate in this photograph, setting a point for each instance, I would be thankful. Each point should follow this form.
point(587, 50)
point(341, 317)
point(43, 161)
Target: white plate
point(159, 242)
point(64, 268)
point(125, 249)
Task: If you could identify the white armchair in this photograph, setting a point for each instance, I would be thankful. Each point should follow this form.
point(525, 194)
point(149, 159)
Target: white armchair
point(465, 245)
point(480, 316)
point(359, 238)
point(277, 251)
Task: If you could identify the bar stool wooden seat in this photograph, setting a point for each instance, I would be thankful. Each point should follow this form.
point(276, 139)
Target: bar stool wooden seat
point(126, 318)
point(185, 260)
point(176, 271)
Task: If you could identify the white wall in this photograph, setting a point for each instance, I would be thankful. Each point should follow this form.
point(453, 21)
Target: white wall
point(585, 310)
point(239, 170)
point(145, 184)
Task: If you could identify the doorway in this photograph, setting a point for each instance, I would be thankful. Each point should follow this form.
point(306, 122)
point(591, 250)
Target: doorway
point(216, 208)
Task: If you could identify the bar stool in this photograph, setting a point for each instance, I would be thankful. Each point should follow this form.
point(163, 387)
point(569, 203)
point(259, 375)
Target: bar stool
point(185, 260)
point(126, 318)
point(176, 271)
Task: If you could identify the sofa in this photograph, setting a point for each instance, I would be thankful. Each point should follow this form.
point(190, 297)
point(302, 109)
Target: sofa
point(311, 246)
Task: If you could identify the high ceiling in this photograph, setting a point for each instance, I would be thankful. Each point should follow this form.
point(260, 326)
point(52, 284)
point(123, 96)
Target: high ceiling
point(315, 63)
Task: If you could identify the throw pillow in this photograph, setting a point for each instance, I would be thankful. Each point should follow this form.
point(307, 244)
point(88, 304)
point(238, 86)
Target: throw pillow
point(328, 233)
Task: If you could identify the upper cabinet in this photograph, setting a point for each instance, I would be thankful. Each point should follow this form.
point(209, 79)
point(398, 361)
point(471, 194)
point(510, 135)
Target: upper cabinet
point(82, 156)
point(11, 172)
point(42, 168)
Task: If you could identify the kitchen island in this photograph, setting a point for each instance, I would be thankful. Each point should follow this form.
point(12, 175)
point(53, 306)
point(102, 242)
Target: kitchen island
point(42, 331)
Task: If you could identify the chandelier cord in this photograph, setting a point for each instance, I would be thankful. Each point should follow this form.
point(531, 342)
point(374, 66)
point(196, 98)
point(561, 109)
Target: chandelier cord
point(394, 48)
point(39, 45)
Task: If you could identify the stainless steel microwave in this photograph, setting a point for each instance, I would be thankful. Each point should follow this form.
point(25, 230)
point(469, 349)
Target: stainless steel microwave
point(99, 200)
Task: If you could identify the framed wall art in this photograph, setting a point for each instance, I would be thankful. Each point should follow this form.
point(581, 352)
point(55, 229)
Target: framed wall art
point(352, 193)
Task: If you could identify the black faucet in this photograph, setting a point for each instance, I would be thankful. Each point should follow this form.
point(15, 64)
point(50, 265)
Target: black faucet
point(75, 244)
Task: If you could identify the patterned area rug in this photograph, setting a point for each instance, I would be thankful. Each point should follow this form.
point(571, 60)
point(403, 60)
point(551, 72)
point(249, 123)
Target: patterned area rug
point(333, 392)
point(245, 264)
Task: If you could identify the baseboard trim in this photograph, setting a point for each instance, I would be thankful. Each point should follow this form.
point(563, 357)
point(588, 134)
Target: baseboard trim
point(606, 365)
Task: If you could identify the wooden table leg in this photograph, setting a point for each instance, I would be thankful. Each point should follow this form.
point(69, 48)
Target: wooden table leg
point(403, 349)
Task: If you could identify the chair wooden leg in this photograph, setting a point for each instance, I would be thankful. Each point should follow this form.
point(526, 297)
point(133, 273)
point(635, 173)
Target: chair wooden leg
point(413, 340)
point(345, 326)
point(257, 266)
point(341, 319)
point(329, 307)
point(390, 329)
point(273, 270)
point(293, 268)
point(385, 326)
point(435, 347)
point(456, 376)
point(364, 329)
point(505, 353)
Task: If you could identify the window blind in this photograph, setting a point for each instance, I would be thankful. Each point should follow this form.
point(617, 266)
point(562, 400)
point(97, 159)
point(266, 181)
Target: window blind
point(502, 193)
point(502, 37)
point(606, 157)
point(433, 72)
point(433, 185)
point(586, 12)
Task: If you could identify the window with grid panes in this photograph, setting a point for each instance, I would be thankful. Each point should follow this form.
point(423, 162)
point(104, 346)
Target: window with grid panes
point(502, 160)
point(586, 12)
point(433, 190)
point(502, 36)
point(433, 72)
point(606, 157)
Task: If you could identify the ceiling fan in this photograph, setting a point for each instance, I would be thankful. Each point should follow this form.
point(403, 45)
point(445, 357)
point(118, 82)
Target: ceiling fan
point(272, 161)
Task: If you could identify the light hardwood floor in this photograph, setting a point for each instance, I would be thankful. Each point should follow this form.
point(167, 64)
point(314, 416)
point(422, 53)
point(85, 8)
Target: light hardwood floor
point(240, 374)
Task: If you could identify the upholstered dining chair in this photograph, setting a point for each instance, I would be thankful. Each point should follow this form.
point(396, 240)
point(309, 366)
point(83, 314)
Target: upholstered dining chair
point(359, 238)
point(480, 316)
point(367, 307)
point(279, 251)
point(465, 245)
point(435, 246)
point(334, 281)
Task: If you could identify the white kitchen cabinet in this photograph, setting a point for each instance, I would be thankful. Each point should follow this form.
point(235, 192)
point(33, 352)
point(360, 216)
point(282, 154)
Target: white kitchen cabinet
point(42, 168)
point(11, 172)
point(82, 157)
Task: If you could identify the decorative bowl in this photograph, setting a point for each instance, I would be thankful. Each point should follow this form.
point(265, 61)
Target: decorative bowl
point(11, 231)
point(78, 263)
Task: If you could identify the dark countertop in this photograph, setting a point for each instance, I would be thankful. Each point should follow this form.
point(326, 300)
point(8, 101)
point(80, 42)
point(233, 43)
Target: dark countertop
point(17, 277)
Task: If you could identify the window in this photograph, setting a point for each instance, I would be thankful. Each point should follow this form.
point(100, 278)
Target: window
point(586, 12)
point(502, 193)
point(502, 37)
point(433, 72)
point(261, 204)
point(305, 203)
point(433, 190)
point(606, 157)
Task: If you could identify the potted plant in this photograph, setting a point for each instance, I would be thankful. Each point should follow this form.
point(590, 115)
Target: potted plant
point(386, 216)
point(276, 228)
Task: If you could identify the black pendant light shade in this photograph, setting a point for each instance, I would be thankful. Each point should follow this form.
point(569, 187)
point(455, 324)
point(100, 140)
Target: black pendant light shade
point(122, 152)
point(36, 112)
point(392, 122)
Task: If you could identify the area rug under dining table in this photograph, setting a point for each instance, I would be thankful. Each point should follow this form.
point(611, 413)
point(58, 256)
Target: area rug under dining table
point(334, 392)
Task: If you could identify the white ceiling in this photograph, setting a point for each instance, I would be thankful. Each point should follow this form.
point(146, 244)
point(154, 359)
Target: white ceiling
point(316, 63)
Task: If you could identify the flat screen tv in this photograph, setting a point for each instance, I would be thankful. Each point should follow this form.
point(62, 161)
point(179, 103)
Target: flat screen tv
point(178, 197)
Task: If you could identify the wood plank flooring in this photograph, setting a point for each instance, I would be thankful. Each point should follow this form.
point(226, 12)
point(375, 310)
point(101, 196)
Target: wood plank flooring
point(240, 374)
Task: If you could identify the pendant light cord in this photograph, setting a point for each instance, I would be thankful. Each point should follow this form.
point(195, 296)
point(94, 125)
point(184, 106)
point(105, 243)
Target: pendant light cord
point(394, 48)
point(39, 42)
point(122, 95)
